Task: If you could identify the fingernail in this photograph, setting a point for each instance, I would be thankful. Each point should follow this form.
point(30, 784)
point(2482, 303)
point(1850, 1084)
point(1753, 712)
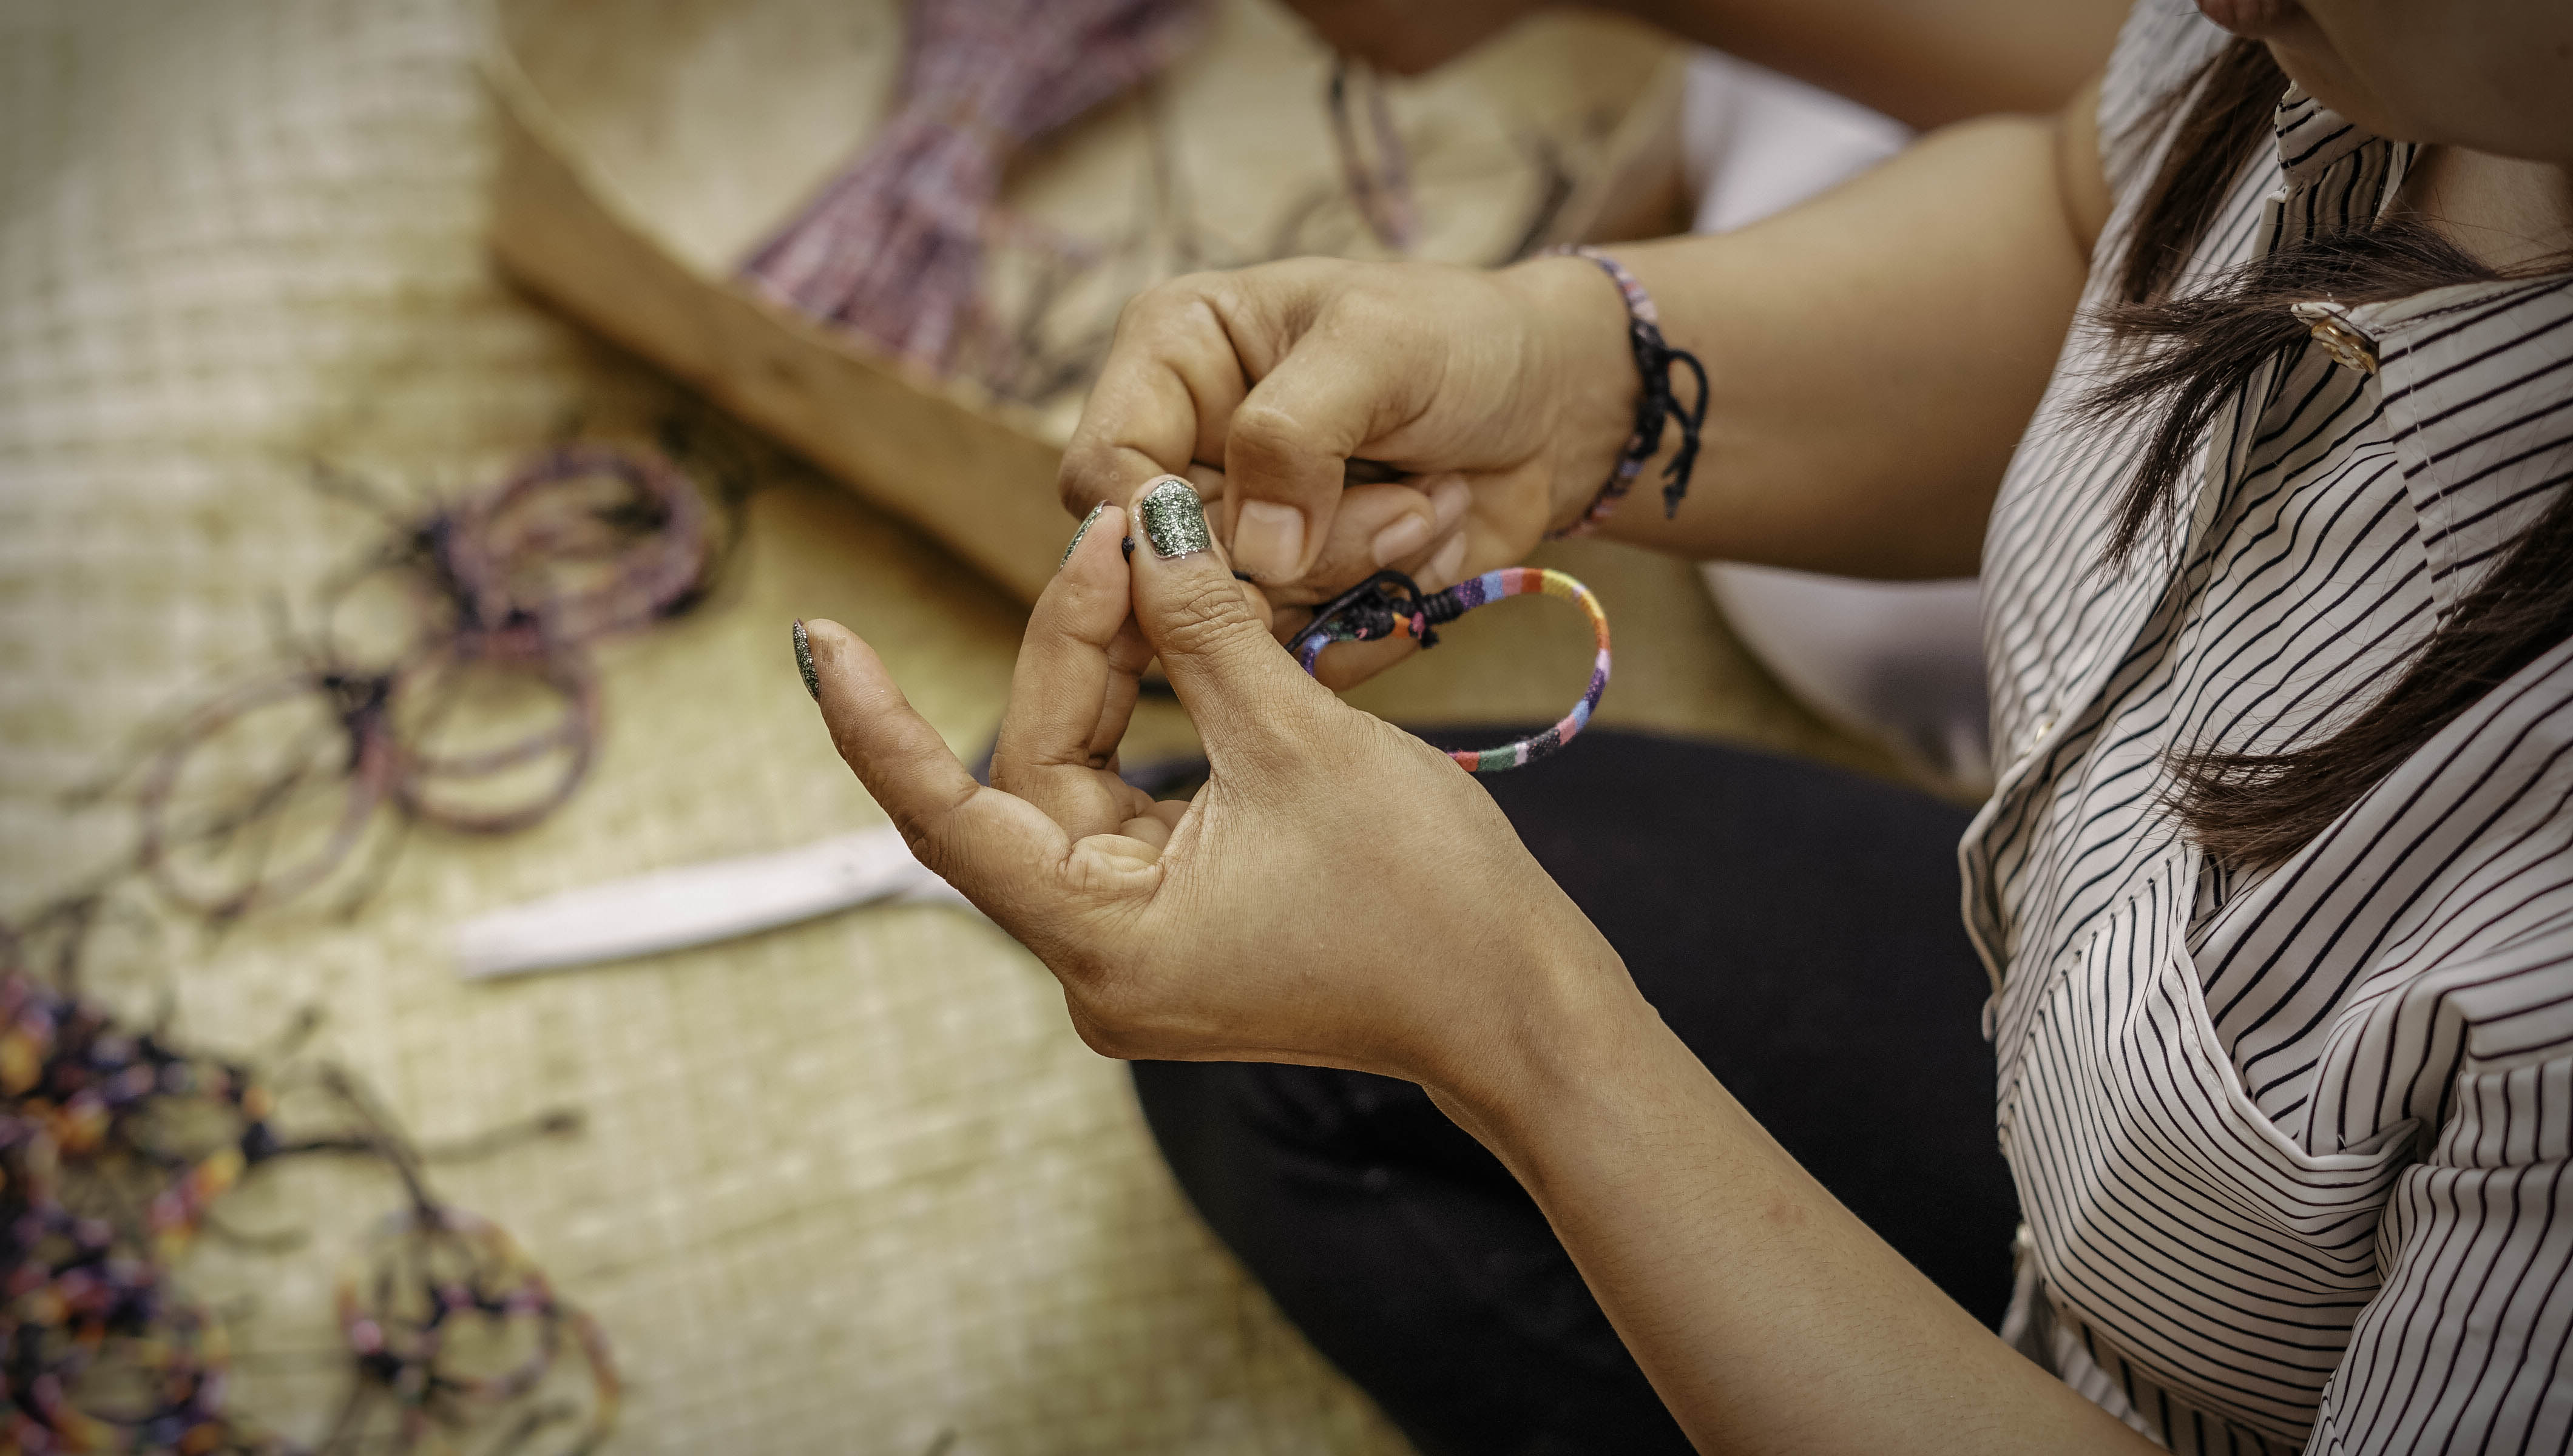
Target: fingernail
point(805, 662)
point(1448, 502)
point(1079, 533)
point(1268, 541)
point(1175, 519)
point(1442, 567)
point(1399, 540)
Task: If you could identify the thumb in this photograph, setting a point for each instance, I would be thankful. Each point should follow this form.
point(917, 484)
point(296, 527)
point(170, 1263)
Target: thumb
point(1237, 684)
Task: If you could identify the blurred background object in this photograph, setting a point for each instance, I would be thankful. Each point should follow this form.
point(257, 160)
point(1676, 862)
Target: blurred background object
point(892, 248)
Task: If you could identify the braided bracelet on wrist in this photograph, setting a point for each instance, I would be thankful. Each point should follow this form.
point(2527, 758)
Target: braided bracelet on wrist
point(1654, 408)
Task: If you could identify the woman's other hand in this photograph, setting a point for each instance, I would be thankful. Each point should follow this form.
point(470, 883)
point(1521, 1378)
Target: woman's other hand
point(1339, 892)
point(1501, 400)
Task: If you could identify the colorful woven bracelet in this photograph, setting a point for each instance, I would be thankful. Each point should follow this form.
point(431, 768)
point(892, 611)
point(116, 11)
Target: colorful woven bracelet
point(1390, 604)
point(1656, 405)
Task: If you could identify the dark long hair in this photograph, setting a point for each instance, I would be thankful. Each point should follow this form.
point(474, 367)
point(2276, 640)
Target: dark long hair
point(2185, 352)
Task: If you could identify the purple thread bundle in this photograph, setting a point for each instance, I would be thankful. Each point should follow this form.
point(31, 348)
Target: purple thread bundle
point(892, 249)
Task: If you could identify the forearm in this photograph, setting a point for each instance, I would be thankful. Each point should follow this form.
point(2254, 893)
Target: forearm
point(1925, 62)
point(1873, 355)
point(1767, 1316)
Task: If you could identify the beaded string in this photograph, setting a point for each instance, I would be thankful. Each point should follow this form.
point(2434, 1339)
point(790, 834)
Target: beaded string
point(117, 1142)
point(1390, 604)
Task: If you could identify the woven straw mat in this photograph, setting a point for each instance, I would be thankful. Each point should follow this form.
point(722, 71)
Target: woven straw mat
point(853, 1187)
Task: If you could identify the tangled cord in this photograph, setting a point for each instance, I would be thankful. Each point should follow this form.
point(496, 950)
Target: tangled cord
point(892, 249)
point(1390, 604)
point(115, 1144)
point(509, 585)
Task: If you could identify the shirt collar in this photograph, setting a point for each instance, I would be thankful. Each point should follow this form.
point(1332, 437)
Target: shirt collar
point(2313, 137)
point(2477, 385)
point(2477, 381)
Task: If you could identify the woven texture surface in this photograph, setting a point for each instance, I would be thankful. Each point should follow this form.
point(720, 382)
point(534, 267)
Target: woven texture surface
point(843, 1187)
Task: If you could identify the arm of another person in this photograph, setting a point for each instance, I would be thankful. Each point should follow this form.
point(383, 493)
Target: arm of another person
point(1923, 62)
point(1284, 915)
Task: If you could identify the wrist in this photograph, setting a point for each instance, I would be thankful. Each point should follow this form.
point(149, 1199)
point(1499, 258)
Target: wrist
point(1577, 1027)
point(1585, 375)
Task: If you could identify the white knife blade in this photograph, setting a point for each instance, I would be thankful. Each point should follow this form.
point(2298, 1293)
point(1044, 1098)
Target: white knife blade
point(694, 903)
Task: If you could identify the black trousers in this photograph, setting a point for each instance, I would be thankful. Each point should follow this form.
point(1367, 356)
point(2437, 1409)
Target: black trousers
point(1797, 926)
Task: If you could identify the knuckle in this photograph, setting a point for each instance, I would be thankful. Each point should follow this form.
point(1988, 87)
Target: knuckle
point(1374, 309)
point(914, 825)
point(1156, 301)
point(920, 822)
point(1266, 422)
point(1206, 615)
point(1263, 434)
point(1173, 304)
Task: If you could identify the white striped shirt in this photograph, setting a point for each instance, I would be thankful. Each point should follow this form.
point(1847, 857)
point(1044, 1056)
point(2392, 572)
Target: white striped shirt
point(2292, 1145)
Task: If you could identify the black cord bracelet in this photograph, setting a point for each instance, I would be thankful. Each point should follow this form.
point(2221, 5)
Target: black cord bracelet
point(1656, 406)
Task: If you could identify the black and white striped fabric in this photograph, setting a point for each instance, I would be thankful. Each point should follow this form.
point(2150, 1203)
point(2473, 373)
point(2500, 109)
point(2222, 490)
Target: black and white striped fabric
point(2293, 1146)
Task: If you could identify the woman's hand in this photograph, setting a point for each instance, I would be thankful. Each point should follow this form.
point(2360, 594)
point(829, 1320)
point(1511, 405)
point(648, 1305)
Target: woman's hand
point(1339, 892)
point(1342, 894)
point(1501, 399)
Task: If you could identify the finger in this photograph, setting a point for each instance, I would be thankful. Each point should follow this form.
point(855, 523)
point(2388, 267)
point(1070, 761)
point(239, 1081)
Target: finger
point(1073, 690)
point(1149, 829)
point(1006, 855)
point(1243, 691)
point(1154, 825)
point(1344, 665)
point(1376, 527)
point(1286, 451)
point(1446, 564)
point(1163, 398)
point(1208, 480)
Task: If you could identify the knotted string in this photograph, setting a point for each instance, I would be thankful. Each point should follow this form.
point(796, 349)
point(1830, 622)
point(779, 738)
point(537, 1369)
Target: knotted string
point(1654, 360)
point(1656, 405)
point(514, 583)
point(1390, 604)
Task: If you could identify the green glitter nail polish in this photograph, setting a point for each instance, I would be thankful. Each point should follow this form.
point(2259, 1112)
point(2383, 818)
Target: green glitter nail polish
point(1175, 519)
point(805, 662)
point(1078, 534)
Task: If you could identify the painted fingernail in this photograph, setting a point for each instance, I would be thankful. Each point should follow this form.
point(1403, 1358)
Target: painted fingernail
point(1449, 500)
point(1442, 567)
point(1175, 519)
point(1083, 530)
point(1268, 541)
point(805, 662)
point(1399, 540)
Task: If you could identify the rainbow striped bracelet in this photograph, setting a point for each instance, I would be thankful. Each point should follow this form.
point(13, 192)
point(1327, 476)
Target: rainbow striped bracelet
point(1390, 604)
